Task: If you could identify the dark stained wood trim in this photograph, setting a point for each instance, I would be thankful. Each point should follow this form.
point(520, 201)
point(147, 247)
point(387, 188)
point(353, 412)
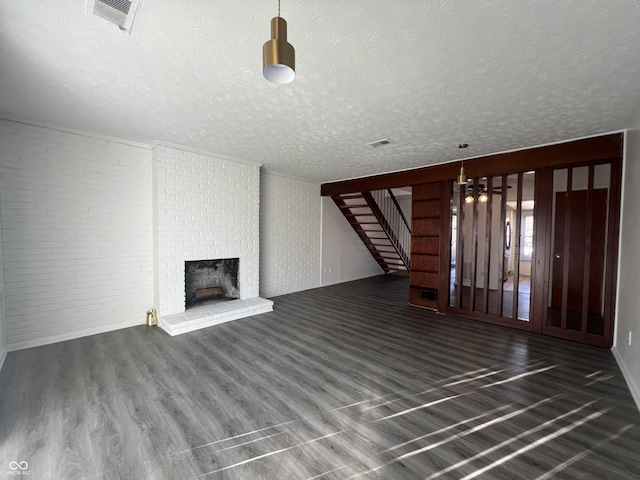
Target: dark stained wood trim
point(542, 249)
point(459, 248)
point(503, 220)
point(615, 194)
point(487, 246)
point(490, 318)
point(446, 200)
point(606, 147)
point(586, 274)
point(474, 246)
point(577, 336)
point(517, 249)
point(566, 249)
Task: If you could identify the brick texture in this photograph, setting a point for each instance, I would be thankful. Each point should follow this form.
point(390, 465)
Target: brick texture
point(76, 233)
point(289, 235)
point(205, 208)
point(3, 335)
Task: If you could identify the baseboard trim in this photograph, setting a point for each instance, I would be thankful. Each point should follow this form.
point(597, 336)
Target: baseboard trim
point(354, 279)
point(626, 373)
point(277, 293)
point(38, 342)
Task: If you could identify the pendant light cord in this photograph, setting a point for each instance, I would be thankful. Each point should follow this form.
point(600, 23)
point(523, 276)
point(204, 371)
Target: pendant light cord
point(278, 7)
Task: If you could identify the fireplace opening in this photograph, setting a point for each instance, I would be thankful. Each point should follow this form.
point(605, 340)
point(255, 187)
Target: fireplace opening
point(210, 281)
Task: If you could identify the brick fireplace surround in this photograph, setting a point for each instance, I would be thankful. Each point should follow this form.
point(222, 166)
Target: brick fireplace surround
point(100, 228)
point(204, 207)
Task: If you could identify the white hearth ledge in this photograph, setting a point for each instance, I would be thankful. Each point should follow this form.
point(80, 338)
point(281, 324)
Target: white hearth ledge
point(209, 315)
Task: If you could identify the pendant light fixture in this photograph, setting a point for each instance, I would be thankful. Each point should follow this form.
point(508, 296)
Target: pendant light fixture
point(278, 56)
point(462, 177)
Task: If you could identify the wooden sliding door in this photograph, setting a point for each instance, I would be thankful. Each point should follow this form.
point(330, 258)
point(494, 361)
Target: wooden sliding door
point(538, 250)
point(581, 252)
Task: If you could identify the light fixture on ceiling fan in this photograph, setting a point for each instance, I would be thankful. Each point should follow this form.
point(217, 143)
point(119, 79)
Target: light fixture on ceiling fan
point(278, 55)
point(483, 192)
point(462, 177)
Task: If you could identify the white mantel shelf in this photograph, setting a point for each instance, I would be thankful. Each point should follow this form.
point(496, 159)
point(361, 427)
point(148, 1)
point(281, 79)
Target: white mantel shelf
point(209, 315)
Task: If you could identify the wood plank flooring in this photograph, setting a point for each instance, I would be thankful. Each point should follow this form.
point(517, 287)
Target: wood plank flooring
point(339, 382)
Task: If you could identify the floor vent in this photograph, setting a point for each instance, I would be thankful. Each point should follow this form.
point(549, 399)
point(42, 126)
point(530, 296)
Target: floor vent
point(118, 12)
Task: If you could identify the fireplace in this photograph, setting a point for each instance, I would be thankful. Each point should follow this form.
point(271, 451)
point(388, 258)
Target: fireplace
point(208, 282)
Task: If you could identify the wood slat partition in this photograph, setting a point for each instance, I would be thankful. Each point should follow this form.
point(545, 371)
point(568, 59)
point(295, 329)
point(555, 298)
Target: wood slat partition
point(517, 249)
point(431, 231)
point(459, 250)
point(487, 241)
point(566, 257)
point(542, 245)
point(561, 154)
point(587, 248)
point(501, 240)
point(474, 249)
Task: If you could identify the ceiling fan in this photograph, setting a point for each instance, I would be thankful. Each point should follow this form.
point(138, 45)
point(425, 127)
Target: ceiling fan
point(482, 188)
point(482, 192)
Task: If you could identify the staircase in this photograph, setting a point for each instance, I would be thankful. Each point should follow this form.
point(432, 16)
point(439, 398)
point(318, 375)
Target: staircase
point(379, 222)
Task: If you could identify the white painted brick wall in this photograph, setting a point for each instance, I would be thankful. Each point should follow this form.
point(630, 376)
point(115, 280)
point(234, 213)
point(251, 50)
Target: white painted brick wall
point(3, 336)
point(76, 233)
point(204, 208)
point(289, 235)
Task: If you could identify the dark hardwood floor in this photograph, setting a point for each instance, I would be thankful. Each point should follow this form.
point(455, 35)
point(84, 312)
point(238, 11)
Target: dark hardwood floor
point(340, 382)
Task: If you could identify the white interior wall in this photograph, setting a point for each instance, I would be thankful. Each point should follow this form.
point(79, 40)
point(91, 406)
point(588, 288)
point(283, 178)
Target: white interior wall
point(289, 235)
point(525, 265)
point(78, 219)
point(628, 302)
point(405, 202)
point(76, 233)
point(510, 256)
point(344, 256)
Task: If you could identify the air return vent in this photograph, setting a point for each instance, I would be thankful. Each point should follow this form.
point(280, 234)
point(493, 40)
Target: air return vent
point(118, 12)
point(379, 143)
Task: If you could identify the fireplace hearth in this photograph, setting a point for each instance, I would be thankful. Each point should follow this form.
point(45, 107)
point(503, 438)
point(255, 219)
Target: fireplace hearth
point(210, 281)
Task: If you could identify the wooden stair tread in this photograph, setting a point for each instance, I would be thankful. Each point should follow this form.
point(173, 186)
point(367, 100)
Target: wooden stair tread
point(375, 238)
point(355, 205)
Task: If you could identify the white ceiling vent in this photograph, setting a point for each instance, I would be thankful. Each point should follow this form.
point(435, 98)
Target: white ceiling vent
point(118, 12)
point(380, 143)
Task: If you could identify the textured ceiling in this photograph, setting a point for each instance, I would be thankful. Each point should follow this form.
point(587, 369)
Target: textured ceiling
point(498, 74)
